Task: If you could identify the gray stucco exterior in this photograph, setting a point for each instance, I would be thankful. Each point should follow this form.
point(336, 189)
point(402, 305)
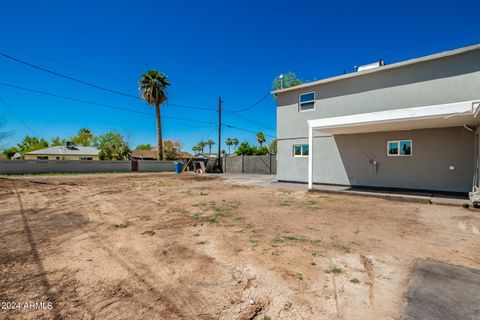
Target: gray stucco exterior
point(443, 159)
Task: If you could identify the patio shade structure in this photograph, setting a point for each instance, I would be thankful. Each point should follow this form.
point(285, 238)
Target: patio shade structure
point(435, 116)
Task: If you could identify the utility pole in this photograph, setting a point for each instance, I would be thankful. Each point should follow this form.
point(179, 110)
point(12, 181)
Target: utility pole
point(219, 134)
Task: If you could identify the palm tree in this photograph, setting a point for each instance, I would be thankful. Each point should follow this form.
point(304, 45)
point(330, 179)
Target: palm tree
point(210, 142)
point(260, 138)
point(235, 143)
point(153, 88)
point(195, 149)
point(84, 137)
point(201, 145)
point(228, 142)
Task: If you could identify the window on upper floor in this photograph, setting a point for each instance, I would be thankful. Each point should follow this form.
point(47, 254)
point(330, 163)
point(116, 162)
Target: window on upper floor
point(300, 150)
point(306, 101)
point(402, 148)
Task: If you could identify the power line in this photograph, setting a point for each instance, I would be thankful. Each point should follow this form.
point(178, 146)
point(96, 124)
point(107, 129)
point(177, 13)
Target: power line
point(248, 120)
point(67, 64)
point(97, 103)
point(67, 77)
point(253, 105)
point(17, 116)
point(246, 130)
point(92, 84)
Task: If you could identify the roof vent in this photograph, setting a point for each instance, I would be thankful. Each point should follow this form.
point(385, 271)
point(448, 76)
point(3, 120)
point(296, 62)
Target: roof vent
point(373, 65)
point(70, 144)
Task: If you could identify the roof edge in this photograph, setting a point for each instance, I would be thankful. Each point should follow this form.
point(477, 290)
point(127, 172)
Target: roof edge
point(395, 65)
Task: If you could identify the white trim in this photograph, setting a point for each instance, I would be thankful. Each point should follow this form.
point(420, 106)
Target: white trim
point(310, 158)
point(399, 152)
point(301, 150)
point(444, 112)
point(309, 101)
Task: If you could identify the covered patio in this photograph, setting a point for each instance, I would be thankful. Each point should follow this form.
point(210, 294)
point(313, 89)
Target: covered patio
point(461, 114)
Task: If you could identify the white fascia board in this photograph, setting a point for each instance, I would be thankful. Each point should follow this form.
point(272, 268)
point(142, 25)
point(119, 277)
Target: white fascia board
point(397, 115)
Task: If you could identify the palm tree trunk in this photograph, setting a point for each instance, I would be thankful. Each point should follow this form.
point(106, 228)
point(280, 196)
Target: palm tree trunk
point(159, 132)
point(210, 149)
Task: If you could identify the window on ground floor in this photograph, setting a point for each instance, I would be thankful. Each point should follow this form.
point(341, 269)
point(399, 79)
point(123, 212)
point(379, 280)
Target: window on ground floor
point(42, 157)
point(86, 158)
point(400, 148)
point(300, 150)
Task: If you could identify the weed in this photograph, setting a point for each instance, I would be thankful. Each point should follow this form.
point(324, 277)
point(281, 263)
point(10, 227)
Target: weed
point(164, 252)
point(238, 250)
point(254, 242)
point(313, 263)
point(334, 270)
point(239, 218)
point(222, 214)
point(201, 242)
point(355, 281)
point(196, 234)
point(203, 193)
point(122, 225)
point(317, 242)
point(149, 233)
point(284, 203)
point(287, 306)
point(248, 226)
point(266, 318)
point(212, 220)
point(300, 276)
point(344, 248)
point(235, 204)
point(287, 239)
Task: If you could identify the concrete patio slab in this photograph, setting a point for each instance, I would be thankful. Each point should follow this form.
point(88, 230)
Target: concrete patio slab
point(270, 181)
point(439, 291)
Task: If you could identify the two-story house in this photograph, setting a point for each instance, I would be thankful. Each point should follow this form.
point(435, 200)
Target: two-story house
point(407, 125)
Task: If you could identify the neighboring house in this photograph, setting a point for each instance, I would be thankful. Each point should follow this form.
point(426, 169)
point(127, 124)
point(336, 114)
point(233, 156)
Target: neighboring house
point(67, 152)
point(143, 155)
point(408, 125)
point(17, 156)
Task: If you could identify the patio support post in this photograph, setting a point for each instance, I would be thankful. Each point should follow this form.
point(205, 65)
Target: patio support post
point(310, 158)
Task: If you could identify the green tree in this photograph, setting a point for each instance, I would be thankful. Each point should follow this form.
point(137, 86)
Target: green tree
point(57, 141)
point(195, 149)
point(287, 80)
point(235, 143)
point(8, 153)
point(210, 142)
point(171, 148)
point(84, 137)
point(228, 142)
point(245, 149)
point(201, 145)
point(153, 88)
point(272, 147)
point(260, 138)
point(112, 146)
point(31, 144)
point(146, 146)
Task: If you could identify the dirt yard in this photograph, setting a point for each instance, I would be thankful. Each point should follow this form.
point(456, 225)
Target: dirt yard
point(158, 246)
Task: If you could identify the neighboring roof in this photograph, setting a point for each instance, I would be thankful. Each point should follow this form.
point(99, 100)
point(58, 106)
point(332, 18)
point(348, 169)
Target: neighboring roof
point(184, 154)
point(385, 67)
point(144, 154)
point(62, 150)
point(436, 116)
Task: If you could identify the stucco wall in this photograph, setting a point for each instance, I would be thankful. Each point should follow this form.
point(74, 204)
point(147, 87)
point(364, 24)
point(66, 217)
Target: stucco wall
point(348, 160)
point(446, 80)
point(62, 166)
point(344, 159)
point(266, 164)
point(155, 166)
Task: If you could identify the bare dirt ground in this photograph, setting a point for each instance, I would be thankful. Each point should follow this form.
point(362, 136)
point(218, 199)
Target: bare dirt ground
point(157, 246)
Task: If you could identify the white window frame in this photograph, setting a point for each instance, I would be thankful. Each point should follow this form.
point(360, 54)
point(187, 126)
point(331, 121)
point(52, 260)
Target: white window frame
point(399, 152)
point(309, 101)
point(301, 151)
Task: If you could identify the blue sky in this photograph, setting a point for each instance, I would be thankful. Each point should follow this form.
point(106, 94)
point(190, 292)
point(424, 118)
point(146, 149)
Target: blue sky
point(208, 49)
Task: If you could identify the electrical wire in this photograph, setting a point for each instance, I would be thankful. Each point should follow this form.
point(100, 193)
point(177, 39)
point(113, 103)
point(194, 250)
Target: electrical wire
point(248, 120)
point(251, 106)
point(246, 130)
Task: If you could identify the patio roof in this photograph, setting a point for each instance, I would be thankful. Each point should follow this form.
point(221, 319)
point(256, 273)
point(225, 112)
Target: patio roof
point(435, 116)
